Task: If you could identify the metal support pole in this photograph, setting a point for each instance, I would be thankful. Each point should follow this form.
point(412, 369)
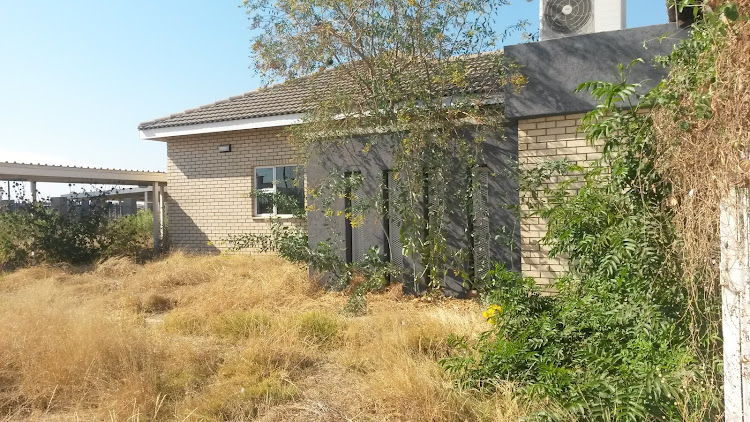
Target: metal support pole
point(156, 211)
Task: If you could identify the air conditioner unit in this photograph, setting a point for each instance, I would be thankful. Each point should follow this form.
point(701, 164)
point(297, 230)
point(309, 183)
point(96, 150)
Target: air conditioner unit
point(564, 18)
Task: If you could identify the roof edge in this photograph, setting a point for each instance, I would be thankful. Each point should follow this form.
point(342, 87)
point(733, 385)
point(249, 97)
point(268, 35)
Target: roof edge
point(222, 126)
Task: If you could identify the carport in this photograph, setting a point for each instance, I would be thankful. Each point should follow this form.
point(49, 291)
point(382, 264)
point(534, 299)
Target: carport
point(153, 180)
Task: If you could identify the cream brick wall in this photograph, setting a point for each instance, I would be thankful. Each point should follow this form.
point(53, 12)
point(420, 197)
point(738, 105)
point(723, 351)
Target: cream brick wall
point(540, 140)
point(207, 190)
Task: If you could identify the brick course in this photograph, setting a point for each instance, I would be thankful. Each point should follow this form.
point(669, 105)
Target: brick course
point(207, 198)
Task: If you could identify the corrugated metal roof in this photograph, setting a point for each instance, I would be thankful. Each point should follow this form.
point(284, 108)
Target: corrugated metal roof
point(71, 174)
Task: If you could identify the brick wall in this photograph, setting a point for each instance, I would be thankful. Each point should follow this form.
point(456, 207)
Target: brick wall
point(540, 140)
point(207, 190)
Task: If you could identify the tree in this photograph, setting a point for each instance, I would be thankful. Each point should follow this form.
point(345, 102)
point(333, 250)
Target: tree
point(407, 76)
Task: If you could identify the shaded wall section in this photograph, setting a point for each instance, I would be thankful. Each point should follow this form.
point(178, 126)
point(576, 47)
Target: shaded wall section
point(555, 68)
point(500, 154)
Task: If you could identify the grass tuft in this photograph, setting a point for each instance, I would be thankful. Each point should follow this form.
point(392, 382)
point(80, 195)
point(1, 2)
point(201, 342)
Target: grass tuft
point(318, 327)
point(241, 324)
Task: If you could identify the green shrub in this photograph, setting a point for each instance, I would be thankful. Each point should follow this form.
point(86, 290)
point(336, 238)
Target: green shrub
point(375, 272)
point(15, 237)
point(130, 235)
point(34, 233)
point(605, 349)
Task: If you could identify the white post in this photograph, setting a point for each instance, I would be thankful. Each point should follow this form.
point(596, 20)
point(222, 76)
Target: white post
point(162, 211)
point(33, 191)
point(735, 283)
point(156, 211)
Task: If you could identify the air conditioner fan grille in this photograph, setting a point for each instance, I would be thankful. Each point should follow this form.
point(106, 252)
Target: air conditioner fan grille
point(567, 16)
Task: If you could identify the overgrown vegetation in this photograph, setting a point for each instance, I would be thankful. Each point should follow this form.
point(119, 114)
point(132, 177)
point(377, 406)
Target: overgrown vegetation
point(291, 242)
point(34, 233)
point(409, 88)
point(632, 333)
point(197, 338)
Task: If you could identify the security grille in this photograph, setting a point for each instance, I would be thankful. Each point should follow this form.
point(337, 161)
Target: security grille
point(359, 244)
point(481, 223)
point(394, 223)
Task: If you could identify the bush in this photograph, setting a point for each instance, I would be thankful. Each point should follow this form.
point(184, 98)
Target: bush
point(130, 235)
point(34, 233)
point(604, 349)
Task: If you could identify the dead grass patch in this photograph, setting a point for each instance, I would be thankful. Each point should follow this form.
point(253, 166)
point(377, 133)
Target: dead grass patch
point(243, 338)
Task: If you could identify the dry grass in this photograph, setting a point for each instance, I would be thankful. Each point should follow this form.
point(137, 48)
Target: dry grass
point(710, 158)
point(225, 338)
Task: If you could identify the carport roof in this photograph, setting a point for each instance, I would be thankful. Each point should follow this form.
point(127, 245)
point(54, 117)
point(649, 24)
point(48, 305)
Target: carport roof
point(21, 172)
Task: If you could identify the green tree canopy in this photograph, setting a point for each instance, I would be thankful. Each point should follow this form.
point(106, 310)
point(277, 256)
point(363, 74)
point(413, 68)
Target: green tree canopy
point(422, 70)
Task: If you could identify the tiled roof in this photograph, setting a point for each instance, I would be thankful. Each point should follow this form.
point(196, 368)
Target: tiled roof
point(293, 97)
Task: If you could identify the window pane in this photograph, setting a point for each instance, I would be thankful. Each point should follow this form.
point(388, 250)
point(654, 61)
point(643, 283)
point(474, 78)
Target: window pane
point(293, 201)
point(264, 178)
point(264, 205)
point(285, 176)
point(290, 184)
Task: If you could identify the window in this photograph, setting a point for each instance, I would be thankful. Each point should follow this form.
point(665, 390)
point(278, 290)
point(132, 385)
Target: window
point(280, 180)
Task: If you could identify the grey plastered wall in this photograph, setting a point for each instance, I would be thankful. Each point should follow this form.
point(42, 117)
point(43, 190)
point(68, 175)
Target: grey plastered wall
point(555, 68)
point(499, 153)
point(501, 156)
point(339, 158)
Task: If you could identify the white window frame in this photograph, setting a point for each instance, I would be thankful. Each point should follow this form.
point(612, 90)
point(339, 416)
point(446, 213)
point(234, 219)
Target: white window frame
point(272, 190)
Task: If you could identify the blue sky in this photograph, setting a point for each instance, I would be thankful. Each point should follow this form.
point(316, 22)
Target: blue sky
point(76, 77)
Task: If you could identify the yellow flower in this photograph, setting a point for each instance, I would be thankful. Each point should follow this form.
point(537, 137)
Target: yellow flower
point(492, 313)
point(356, 221)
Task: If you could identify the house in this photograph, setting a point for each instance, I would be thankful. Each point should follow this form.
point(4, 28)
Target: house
point(220, 152)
